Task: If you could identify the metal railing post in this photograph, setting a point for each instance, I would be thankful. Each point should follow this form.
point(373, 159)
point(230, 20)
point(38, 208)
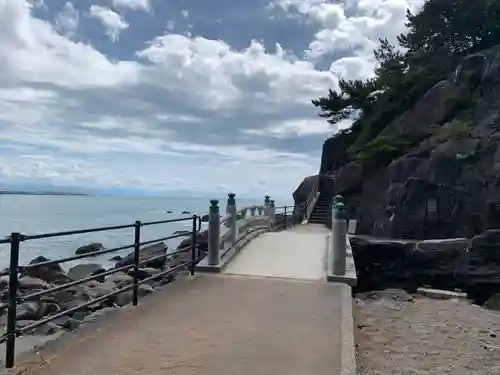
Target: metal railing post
point(284, 214)
point(137, 249)
point(252, 211)
point(213, 233)
point(15, 239)
point(231, 209)
point(339, 238)
point(193, 246)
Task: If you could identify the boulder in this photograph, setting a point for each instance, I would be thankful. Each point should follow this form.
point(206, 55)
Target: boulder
point(90, 248)
point(48, 328)
point(82, 271)
point(116, 258)
point(52, 274)
point(29, 311)
point(452, 159)
point(453, 264)
point(119, 280)
point(26, 283)
point(125, 298)
point(146, 253)
point(493, 302)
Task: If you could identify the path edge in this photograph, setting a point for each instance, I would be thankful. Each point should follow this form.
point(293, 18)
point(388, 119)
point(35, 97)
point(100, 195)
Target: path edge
point(348, 349)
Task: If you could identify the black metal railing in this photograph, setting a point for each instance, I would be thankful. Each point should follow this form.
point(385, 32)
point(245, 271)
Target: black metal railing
point(14, 298)
point(288, 216)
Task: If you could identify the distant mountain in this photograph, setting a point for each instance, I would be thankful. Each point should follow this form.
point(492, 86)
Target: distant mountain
point(19, 192)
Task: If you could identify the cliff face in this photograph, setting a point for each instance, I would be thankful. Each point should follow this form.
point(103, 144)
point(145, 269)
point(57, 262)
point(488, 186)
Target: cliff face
point(447, 184)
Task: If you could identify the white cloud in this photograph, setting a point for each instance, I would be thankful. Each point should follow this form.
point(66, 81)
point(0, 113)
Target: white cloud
point(144, 5)
point(367, 21)
point(66, 20)
point(185, 110)
point(112, 21)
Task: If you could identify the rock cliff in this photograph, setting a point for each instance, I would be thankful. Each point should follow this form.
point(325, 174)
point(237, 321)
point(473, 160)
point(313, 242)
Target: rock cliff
point(446, 181)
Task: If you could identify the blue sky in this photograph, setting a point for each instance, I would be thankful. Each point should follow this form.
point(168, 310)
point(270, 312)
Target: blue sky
point(189, 95)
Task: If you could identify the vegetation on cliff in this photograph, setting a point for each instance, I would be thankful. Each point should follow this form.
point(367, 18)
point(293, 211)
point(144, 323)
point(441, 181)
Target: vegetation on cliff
point(437, 39)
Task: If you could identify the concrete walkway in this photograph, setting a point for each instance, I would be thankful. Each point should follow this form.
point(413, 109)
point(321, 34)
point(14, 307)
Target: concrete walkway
point(209, 325)
point(297, 253)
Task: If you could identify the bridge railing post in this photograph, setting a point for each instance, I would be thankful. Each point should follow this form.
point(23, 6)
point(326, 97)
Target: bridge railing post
point(267, 204)
point(272, 211)
point(231, 210)
point(252, 211)
point(213, 233)
point(339, 236)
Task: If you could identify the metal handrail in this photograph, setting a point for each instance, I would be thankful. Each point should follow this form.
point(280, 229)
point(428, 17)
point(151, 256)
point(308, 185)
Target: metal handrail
point(15, 240)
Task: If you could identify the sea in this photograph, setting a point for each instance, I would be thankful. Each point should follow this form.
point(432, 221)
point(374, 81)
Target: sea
point(35, 214)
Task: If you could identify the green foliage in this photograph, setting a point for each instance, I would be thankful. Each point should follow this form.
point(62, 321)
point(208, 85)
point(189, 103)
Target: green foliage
point(455, 129)
point(437, 38)
point(381, 151)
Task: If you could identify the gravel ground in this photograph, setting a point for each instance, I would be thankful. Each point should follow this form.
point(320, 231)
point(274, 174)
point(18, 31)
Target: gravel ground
point(425, 336)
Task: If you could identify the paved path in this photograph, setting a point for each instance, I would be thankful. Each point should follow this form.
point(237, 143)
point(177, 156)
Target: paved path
point(297, 253)
point(209, 325)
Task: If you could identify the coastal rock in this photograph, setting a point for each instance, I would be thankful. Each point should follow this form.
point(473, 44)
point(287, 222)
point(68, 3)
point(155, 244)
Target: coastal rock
point(440, 264)
point(125, 298)
point(29, 311)
point(52, 274)
point(181, 233)
point(26, 283)
point(146, 253)
point(48, 328)
point(82, 271)
point(301, 194)
point(201, 242)
point(204, 219)
point(452, 162)
point(144, 273)
point(90, 248)
point(116, 258)
point(119, 280)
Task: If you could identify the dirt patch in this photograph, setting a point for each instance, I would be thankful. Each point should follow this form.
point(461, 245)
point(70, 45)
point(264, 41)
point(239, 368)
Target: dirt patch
point(426, 336)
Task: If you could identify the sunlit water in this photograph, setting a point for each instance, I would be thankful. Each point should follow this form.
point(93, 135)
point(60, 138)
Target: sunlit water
point(40, 214)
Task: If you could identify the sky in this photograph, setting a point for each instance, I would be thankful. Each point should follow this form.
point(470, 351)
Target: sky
point(177, 95)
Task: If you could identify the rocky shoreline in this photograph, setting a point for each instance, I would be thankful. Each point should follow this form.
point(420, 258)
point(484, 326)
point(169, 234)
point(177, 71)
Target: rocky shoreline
point(32, 280)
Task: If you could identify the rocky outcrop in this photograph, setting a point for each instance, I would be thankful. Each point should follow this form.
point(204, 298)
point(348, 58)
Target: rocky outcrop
point(302, 192)
point(472, 266)
point(148, 252)
point(453, 163)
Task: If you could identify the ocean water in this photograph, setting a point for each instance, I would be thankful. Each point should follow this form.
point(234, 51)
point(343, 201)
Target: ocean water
point(34, 214)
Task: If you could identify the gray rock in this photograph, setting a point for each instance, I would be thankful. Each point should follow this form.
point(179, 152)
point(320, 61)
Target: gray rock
point(48, 328)
point(82, 271)
point(99, 314)
point(90, 248)
point(144, 273)
point(29, 311)
point(146, 253)
point(116, 258)
point(126, 297)
point(52, 274)
point(493, 302)
point(119, 280)
point(67, 322)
